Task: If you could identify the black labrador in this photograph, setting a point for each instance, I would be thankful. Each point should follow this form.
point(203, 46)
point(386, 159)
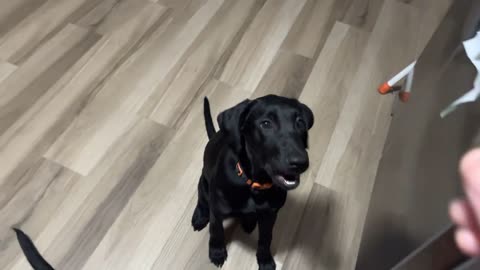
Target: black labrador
point(249, 165)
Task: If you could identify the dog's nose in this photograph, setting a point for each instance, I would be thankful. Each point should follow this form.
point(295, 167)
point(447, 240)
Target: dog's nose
point(298, 163)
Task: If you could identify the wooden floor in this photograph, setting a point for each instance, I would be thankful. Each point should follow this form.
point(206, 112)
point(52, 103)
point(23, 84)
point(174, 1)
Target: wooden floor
point(102, 136)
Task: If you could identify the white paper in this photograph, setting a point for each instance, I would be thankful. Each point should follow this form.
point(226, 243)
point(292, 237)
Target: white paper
point(471, 96)
point(472, 48)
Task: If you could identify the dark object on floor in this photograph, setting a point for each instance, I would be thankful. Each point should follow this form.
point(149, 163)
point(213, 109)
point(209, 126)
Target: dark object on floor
point(33, 256)
point(249, 165)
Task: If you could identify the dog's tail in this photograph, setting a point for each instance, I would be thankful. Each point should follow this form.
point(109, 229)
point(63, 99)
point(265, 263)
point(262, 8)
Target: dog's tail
point(208, 118)
point(33, 256)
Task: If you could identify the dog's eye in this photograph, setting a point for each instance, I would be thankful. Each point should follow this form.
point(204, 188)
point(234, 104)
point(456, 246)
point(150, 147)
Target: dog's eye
point(301, 124)
point(266, 124)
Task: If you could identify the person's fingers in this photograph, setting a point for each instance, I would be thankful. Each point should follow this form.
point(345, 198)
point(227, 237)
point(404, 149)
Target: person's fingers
point(467, 241)
point(460, 213)
point(470, 170)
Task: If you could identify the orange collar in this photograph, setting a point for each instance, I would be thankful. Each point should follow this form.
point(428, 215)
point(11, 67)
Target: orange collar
point(250, 182)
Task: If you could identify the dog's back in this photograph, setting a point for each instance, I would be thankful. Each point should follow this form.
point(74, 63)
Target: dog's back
point(33, 256)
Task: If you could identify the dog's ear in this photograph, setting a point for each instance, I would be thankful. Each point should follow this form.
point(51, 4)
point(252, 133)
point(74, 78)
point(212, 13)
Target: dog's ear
point(231, 121)
point(307, 114)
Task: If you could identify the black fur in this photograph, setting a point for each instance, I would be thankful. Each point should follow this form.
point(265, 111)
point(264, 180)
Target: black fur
point(33, 256)
point(208, 118)
point(268, 136)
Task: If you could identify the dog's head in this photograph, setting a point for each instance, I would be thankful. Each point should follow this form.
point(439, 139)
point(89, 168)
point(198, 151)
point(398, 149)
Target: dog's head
point(273, 131)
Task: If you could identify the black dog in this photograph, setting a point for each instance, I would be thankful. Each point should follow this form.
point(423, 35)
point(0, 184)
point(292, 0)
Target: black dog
point(249, 165)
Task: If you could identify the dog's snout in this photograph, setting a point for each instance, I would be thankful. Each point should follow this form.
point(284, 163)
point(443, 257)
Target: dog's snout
point(298, 162)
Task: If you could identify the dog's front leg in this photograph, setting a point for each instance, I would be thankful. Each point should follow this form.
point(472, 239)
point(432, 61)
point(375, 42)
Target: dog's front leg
point(266, 220)
point(217, 248)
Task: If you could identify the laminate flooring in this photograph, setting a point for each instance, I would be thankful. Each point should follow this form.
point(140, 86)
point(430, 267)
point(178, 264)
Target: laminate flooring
point(102, 135)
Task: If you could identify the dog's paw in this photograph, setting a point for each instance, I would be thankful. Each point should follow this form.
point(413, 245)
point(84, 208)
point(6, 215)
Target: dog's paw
point(267, 266)
point(199, 221)
point(248, 225)
point(217, 255)
point(266, 262)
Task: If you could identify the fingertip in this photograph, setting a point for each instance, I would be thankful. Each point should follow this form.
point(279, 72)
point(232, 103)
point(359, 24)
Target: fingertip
point(458, 212)
point(470, 161)
point(467, 242)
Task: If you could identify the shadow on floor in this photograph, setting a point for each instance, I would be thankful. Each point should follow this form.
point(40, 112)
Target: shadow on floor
point(306, 241)
point(390, 239)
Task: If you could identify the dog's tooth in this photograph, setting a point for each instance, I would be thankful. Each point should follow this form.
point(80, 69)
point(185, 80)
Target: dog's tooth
point(289, 182)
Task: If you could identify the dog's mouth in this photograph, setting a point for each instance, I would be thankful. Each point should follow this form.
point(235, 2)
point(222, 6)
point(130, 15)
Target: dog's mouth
point(287, 182)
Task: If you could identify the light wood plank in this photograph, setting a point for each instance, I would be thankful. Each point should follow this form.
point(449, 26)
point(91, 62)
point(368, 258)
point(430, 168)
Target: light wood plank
point(181, 4)
point(27, 35)
point(75, 144)
point(41, 190)
point(209, 50)
point(256, 51)
point(13, 12)
point(126, 13)
point(114, 108)
point(175, 4)
point(312, 27)
point(116, 47)
point(99, 13)
point(182, 245)
point(100, 197)
point(311, 248)
point(286, 76)
point(33, 133)
point(150, 66)
point(6, 69)
point(112, 15)
point(156, 201)
point(363, 13)
point(34, 77)
point(183, 10)
point(329, 84)
point(75, 89)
